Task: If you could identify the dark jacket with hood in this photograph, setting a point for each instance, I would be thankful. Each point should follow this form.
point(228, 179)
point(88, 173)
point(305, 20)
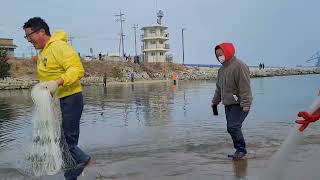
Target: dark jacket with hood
point(233, 81)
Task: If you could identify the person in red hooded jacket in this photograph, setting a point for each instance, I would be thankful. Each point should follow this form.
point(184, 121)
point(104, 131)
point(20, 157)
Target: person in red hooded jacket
point(234, 90)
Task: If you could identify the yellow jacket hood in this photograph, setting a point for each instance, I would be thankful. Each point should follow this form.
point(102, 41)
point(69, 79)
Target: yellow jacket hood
point(59, 35)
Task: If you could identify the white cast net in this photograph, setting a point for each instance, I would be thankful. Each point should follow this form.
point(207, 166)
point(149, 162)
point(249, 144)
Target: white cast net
point(48, 153)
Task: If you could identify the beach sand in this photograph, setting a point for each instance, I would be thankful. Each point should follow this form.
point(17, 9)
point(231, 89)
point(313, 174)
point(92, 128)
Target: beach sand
point(190, 166)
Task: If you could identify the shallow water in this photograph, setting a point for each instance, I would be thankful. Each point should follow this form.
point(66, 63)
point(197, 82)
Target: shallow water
point(160, 131)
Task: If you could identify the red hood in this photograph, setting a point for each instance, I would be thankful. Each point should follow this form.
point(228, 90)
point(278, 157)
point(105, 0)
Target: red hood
point(228, 50)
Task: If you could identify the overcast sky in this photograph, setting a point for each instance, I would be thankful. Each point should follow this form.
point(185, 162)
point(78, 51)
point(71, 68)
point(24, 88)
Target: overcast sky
point(276, 32)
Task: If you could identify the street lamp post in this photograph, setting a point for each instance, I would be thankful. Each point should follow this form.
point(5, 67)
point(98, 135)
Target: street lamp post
point(182, 30)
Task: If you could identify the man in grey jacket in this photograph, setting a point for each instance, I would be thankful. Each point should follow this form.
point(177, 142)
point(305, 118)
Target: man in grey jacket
point(234, 90)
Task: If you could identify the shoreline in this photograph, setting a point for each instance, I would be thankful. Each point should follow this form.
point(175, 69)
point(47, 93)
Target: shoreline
point(193, 73)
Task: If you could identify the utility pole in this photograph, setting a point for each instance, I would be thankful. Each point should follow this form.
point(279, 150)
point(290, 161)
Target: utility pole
point(120, 45)
point(70, 39)
point(31, 50)
point(121, 19)
point(182, 45)
point(135, 26)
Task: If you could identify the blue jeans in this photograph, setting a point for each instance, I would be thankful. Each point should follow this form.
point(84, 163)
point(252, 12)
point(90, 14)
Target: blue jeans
point(71, 110)
point(235, 117)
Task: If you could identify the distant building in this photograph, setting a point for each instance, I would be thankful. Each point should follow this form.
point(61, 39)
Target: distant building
point(155, 42)
point(7, 44)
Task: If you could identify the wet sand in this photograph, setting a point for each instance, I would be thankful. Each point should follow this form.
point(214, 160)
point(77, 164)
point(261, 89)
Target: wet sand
point(190, 166)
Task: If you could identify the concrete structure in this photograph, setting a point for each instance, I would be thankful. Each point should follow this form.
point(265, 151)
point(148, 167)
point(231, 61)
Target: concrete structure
point(7, 44)
point(155, 42)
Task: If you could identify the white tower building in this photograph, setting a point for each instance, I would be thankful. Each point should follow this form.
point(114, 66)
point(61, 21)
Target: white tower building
point(155, 42)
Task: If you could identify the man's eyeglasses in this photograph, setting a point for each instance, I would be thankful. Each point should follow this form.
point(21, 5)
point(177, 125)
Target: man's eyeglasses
point(28, 35)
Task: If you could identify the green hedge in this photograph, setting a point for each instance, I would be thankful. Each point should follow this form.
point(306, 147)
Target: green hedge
point(4, 65)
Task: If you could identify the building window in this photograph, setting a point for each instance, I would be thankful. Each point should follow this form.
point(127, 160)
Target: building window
point(160, 42)
point(153, 54)
point(153, 42)
point(161, 53)
point(152, 31)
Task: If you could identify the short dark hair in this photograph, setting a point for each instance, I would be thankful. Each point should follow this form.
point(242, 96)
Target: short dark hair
point(37, 23)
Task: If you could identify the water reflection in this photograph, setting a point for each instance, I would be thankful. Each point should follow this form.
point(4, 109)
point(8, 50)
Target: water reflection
point(128, 121)
point(131, 102)
point(156, 107)
point(240, 168)
point(13, 106)
point(6, 113)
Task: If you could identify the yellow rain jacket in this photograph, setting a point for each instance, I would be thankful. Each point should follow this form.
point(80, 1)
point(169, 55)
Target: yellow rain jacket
point(59, 60)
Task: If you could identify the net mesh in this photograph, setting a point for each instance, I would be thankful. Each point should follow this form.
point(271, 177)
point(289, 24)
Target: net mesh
point(48, 153)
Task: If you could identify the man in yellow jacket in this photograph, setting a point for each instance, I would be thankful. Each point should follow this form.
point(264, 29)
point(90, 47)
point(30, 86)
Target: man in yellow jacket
point(60, 69)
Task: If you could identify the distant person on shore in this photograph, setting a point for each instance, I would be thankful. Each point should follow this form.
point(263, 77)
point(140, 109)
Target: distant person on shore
point(234, 90)
point(105, 79)
point(125, 56)
point(60, 70)
point(100, 56)
point(262, 65)
point(132, 77)
point(174, 78)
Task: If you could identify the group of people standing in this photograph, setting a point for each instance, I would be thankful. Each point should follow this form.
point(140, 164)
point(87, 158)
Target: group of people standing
point(261, 66)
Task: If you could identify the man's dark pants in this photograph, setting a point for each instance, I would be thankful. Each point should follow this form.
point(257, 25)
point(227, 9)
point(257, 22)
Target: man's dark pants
point(71, 109)
point(235, 117)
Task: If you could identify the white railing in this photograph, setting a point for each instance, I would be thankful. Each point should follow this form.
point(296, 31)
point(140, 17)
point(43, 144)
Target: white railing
point(152, 35)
